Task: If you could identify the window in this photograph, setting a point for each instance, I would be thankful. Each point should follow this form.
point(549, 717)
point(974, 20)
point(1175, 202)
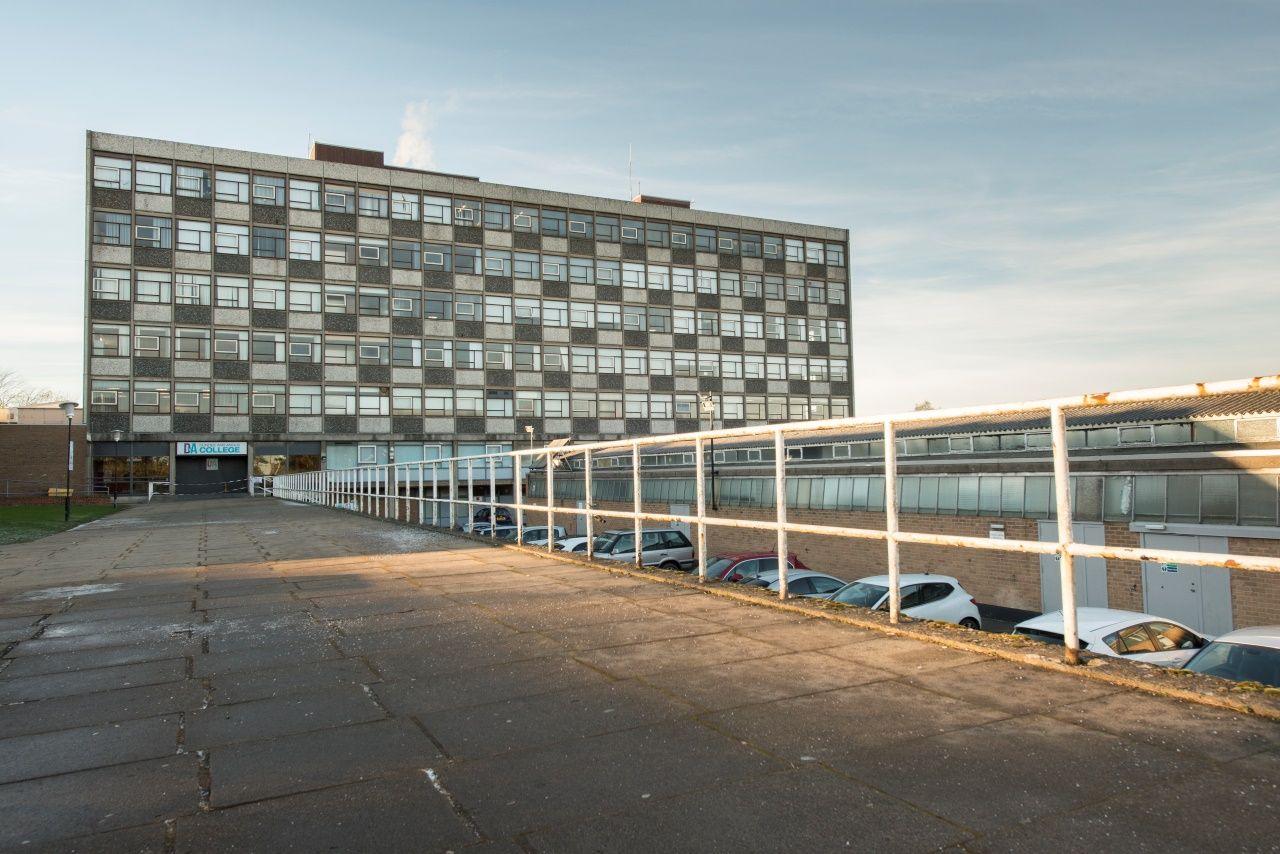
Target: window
point(191, 289)
point(404, 205)
point(657, 234)
point(151, 397)
point(112, 173)
point(304, 195)
point(152, 287)
point(339, 400)
point(581, 224)
point(304, 246)
point(437, 305)
point(437, 209)
point(111, 229)
point(339, 249)
point(304, 297)
point(304, 348)
point(268, 242)
point(231, 187)
point(194, 236)
point(406, 401)
point(374, 401)
point(268, 400)
point(373, 203)
point(191, 398)
point(497, 216)
point(436, 256)
point(154, 178)
point(406, 303)
point(406, 352)
point(1131, 640)
point(230, 345)
point(607, 228)
point(339, 350)
point(268, 346)
point(555, 223)
point(268, 190)
point(192, 344)
point(109, 340)
point(231, 239)
point(367, 455)
point(373, 302)
point(406, 255)
point(110, 284)
point(153, 232)
point(438, 402)
point(306, 400)
point(497, 262)
point(466, 260)
point(339, 200)
point(194, 182)
point(373, 252)
point(231, 292)
point(109, 395)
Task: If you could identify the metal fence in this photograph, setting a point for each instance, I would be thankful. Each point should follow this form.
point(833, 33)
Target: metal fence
point(388, 489)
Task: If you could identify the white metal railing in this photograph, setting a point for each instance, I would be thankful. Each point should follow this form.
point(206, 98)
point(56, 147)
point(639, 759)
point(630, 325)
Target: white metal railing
point(376, 490)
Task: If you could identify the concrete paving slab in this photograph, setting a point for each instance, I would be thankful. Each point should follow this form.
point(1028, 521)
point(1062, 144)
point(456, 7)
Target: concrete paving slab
point(400, 814)
point(26, 757)
point(903, 655)
point(810, 809)
point(91, 681)
point(565, 782)
point(1019, 690)
point(480, 685)
point(255, 770)
point(642, 659)
point(242, 686)
point(68, 662)
point(105, 707)
point(275, 716)
point(104, 799)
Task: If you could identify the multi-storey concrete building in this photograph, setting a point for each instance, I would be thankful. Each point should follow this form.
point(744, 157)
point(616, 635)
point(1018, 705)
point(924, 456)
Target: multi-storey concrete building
point(253, 312)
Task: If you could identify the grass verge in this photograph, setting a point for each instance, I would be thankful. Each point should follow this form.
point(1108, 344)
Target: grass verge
point(22, 523)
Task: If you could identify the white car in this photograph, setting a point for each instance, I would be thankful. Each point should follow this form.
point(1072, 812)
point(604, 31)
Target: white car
point(924, 597)
point(668, 548)
point(1121, 634)
point(572, 544)
point(1245, 655)
point(800, 582)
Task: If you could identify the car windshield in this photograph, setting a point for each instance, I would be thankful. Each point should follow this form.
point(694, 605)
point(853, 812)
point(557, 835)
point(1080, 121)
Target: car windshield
point(604, 545)
point(860, 593)
point(719, 565)
point(1238, 661)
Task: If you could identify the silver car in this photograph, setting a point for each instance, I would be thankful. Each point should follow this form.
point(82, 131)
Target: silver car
point(668, 548)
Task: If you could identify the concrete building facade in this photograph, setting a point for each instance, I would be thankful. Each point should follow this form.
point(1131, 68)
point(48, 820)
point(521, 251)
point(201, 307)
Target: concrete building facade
point(250, 313)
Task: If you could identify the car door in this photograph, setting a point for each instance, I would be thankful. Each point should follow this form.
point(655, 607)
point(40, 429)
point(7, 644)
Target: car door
point(824, 585)
point(743, 570)
point(624, 549)
point(679, 548)
point(1133, 642)
point(653, 543)
point(935, 603)
point(910, 600)
point(800, 587)
point(1174, 644)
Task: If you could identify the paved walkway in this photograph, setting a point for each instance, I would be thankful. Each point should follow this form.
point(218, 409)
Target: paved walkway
point(241, 675)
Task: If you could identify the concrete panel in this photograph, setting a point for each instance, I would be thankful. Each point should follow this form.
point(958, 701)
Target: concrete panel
point(340, 172)
point(439, 426)
point(778, 387)
point(193, 261)
point(268, 162)
point(582, 292)
point(662, 426)
point(820, 388)
point(528, 379)
point(752, 265)
point(153, 203)
point(373, 225)
point(499, 331)
point(275, 267)
point(555, 335)
point(231, 316)
point(406, 278)
point(634, 383)
point(102, 366)
point(306, 320)
point(306, 219)
point(754, 345)
point(340, 272)
point(798, 348)
point(112, 255)
point(657, 255)
point(557, 426)
point(636, 295)
point(466, 282)
point(192, 370)
point(406, 376)
point(733, 386)
point(305, 423)
point(683, 300)
point(796, 268)
point(524, 287)
point(609, 250)
point(374, 424)
point(500, 426)
point(373, 175)
point(839, 349)
point(731, 303)
point(112, 142)
point(583, 381)
point(609, 336)
point(500, 239)
point(267, 371)
point(707, 259)
point(708, 342)
point(686, 383)
point(437, 328)
point(153, 147)
point(231, 423)
point(660, 341)
point(231, 210)
point(152, 423)
point(232, 157)
point(436, 233)
point(340, 373)
point(816, 310)
point(612, 425)
point(775, 306)
point(150, 313)
point(378, 325)
point(468, 378)
point(555, 245)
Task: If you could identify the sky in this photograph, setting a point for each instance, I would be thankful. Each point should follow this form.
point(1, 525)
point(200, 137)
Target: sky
point(1044, 198)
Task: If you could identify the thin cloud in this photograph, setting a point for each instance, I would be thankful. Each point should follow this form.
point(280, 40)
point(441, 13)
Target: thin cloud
point(413, 147)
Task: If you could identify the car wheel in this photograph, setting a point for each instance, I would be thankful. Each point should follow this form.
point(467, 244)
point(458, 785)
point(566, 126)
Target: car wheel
point(669, 565)
point(970, 623)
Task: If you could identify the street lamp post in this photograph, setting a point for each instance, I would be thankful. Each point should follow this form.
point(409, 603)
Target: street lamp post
point(708, 406)
point(69, 409)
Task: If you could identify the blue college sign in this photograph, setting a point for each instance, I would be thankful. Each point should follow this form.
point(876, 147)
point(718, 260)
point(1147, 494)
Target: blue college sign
point(212, 449)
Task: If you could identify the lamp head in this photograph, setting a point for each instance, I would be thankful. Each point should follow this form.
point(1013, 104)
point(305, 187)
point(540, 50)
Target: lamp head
point(117, 434)
point(528, 428)
point(68, 409)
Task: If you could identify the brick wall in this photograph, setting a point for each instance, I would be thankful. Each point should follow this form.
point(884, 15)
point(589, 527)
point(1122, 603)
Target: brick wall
point(33, 458)
point(995, 578)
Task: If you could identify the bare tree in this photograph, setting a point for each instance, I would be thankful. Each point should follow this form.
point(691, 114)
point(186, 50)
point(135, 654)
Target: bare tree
point(14, 391)
point(925, 406)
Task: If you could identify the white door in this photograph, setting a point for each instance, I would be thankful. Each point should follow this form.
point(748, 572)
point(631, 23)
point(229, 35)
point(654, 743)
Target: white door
point(1197, 596)
point(580, 520)
point(1091, 572)
point(681, 510)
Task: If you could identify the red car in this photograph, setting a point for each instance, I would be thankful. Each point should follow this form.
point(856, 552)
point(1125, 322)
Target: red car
point(743, 566)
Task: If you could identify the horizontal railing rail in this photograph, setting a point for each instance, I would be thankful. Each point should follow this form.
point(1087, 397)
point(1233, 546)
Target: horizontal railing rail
point(376, 490)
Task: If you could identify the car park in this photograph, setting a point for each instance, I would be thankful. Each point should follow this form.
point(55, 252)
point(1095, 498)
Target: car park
point(668, 548)
point(1245, 655)
point(1120, 634)
point(801, 582)
point(480, 521)
point(925, 596)
point(533, 535)
point(742, 566)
